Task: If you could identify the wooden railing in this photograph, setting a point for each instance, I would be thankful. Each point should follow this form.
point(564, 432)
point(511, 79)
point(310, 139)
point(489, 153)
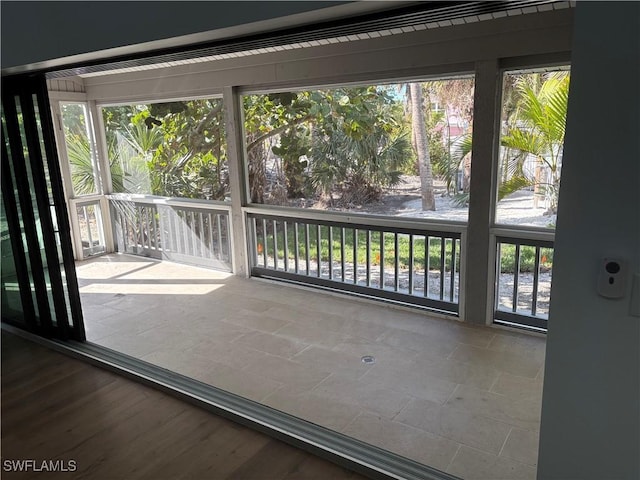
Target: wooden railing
point(184, 230)
point(86, 213)
point(524, 264)
point(400, 261)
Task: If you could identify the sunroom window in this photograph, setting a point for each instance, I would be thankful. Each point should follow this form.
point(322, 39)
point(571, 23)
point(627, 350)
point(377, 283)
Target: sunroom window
point(534, 111)
point(173, 149)
point(171, 160)
point(80, 148)
point(401, 149)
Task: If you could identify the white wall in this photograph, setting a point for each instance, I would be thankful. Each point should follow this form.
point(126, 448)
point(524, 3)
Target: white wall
point(591, 412)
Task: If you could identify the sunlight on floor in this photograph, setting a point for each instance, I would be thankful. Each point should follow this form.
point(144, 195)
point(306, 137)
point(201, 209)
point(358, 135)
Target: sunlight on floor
point(186, 288)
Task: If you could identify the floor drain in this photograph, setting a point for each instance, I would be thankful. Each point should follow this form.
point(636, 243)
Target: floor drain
point(368, 359)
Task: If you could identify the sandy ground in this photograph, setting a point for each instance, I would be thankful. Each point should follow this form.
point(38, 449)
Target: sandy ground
point(516, 209)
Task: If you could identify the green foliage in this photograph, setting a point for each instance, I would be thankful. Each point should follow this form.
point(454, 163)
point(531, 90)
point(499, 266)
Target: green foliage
point(507, 251)
point(527, 259)
point(82, 174)
point(74, 120)
point(536, 128)
point(343, 145)
point(142, 140)
point(78, 150)
point(184, 156)
point(362, 149)
point(79, 156)
point(434, 250)
point(461, 199)
point(295, 145)
point(516, 182)
point(449, 162)
point(346, 140)
point(165, 109)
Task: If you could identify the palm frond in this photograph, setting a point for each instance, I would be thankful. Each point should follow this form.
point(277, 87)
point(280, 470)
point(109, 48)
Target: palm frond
point(142, 139)
point(525, 141)
point(515, 183)
point(464, 147)
point(80, 160)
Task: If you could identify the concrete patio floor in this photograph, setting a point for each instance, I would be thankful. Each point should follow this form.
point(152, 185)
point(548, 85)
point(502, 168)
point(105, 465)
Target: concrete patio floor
point(462, 399)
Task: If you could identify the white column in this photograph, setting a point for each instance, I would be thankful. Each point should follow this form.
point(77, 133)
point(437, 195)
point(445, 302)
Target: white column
point(479, 263)
point(237, 179)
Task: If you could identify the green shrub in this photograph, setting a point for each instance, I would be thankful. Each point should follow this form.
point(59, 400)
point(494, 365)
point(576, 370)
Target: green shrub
point(527, 258)
point(507, 251)
point(434, 250)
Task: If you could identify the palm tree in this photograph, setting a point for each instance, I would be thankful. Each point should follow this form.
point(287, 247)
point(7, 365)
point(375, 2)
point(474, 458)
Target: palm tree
point(538, 132)
point(133, 150)
point(422, 146)
point(359, 166)
point(81, 163)
point(361, 148)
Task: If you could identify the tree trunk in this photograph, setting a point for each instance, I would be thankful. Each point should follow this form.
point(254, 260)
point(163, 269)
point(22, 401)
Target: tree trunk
point(256, 158)
point(466, 176)
point(422, 147)
point(537, 189)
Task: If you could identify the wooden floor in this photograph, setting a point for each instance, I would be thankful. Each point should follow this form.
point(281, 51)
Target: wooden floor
point(61, 409)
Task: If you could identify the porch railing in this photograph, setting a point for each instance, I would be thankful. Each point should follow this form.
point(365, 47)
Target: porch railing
point(185, 231)
point(398, 261)
point(87, 215)
point(523, 280)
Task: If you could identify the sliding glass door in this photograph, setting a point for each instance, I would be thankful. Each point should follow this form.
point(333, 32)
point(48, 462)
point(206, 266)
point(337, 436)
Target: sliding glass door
point(39, 286)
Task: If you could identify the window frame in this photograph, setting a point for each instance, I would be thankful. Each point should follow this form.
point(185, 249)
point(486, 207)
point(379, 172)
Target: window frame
point(447, 73)
point(217, 94)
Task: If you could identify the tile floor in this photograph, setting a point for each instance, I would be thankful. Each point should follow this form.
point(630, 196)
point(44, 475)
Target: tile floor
point(462, 399)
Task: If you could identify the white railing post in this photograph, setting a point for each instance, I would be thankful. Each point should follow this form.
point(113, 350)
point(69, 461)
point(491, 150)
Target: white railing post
point(462, 275)
point(486, 131)
point(237, 180)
